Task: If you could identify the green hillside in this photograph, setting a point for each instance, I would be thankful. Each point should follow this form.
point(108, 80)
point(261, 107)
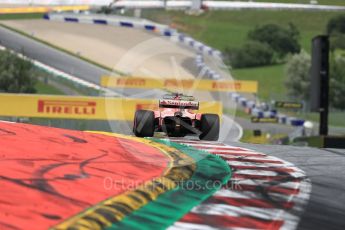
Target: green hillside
point(221, 29)
point(267, 89)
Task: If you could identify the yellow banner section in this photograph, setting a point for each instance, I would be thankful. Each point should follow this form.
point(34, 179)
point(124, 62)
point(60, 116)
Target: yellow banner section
point(40, 9)
point(75, 107)
point(174, 84)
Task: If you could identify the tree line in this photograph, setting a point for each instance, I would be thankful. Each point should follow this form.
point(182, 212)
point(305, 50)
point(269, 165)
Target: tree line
point(266, 45)
point(272, 44)
point(16, 74)
point(298, 68)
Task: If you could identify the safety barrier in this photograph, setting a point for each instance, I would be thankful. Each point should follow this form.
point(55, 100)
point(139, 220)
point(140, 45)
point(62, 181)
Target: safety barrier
point(111, 21)
point(78, 107)
point(251, 107)
point(173, 84)
point(204, 69)
point(137, 23)
point(116, 20)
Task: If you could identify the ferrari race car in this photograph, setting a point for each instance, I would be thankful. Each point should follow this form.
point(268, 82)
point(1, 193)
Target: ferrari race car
point(176, 118)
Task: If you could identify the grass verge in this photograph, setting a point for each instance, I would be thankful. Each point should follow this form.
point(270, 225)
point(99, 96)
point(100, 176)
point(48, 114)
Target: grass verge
point(43, 75)
point(43, 88)
point(264, 138)
point(21, 16)
point(248, 137)
point(270, 79)
point(335, 118)
point(238, 113)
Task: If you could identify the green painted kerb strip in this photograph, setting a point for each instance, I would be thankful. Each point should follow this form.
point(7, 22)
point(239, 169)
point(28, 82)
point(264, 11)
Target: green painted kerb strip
point(210, 174)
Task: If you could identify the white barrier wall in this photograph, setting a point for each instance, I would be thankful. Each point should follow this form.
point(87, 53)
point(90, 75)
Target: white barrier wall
point(260, 112)
point(135, 23)
point(147, 25)
point(182, 4)
point(109, 20)
point(123, 3)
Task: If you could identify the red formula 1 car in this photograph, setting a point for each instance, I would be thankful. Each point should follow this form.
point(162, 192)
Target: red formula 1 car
point(176, 117)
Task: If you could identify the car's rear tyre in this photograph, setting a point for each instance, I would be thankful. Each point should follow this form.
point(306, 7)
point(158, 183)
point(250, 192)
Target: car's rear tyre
point(209, 127)
point(144, 123)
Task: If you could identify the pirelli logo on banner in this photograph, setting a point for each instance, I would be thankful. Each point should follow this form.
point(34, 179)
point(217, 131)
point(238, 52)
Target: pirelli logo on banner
point(226, 85)
point(173, 84)
point(288, 105)
point(40, 9)
point(188, 84)
point(130, 82)
point(66, 107)
point(264, 120)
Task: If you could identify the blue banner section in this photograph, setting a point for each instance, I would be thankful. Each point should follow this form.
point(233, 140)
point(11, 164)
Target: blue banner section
point(100, 21)
point(126, 24)
point(71, 20)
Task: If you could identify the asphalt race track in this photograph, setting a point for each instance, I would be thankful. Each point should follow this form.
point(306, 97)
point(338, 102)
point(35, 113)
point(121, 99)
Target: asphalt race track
point(50, 56)
point(324, 168)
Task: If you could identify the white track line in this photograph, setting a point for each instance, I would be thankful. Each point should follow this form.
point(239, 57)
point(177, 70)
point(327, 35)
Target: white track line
point(242, 153)
point(257, 164)
point(190, 226)
point(266, 183)
point(249, 195)
point(229, 210)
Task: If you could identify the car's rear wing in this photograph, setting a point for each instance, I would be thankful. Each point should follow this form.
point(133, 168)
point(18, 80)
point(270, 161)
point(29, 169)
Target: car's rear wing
point(166, 103)
point(178, 97)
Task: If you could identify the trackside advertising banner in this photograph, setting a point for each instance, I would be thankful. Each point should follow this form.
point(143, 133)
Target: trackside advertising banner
point(207, 85)
point(75, 107)
point(40, 9)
